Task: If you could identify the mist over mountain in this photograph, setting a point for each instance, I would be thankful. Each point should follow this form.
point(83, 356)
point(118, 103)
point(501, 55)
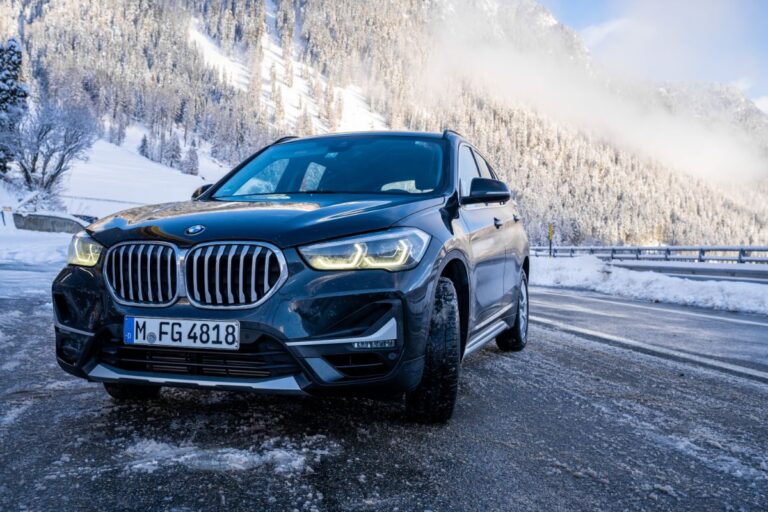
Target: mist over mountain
point(606, 160)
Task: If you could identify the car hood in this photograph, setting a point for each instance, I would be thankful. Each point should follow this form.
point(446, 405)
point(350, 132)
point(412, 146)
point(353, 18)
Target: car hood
point(283, 220)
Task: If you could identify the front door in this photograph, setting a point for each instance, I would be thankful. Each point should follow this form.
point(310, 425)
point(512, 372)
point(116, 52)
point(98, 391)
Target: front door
point(482, 225)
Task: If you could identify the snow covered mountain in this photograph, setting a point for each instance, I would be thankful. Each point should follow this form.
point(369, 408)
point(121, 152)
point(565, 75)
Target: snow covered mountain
point(225, 78)
point(717, 104)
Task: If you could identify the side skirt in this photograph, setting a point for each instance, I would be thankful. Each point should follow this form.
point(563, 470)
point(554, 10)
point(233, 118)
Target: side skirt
point(484, 336)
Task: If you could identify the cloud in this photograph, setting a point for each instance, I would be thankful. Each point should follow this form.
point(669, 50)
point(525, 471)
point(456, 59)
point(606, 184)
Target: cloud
point(594, 35)
point(690, 40)
point(743, 84)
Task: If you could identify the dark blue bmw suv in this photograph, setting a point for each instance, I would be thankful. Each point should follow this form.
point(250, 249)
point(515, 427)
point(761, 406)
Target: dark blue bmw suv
point(367, 264)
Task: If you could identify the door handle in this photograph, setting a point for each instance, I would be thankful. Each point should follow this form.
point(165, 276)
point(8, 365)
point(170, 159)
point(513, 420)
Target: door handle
point(497, 222)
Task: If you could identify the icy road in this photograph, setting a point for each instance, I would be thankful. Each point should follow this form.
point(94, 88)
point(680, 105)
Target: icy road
point(575, 422)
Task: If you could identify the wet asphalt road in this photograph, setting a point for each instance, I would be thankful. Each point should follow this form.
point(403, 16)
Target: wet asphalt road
point(567, 424)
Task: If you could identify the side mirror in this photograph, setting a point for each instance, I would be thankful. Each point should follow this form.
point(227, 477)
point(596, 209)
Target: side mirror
point(201, 190)
point(484, 190)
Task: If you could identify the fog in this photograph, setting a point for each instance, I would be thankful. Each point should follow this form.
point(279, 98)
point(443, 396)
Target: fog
point(593, 97)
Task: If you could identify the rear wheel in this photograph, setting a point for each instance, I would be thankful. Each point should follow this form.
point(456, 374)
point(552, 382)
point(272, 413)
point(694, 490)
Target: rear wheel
point(131, 391)
point(435, 397)
point(516, 338)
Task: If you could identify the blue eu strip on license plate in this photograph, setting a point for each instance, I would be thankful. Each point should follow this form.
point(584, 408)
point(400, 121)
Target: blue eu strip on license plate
point(128, 327)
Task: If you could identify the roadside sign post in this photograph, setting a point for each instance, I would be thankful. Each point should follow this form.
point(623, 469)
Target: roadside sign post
point(551, 234)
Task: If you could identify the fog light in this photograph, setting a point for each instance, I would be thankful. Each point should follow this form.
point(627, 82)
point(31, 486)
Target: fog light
point(71, 346)
point(374, 345)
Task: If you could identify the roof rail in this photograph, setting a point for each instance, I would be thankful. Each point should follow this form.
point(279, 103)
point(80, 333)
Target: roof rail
point(283, 139)
point(448, 130)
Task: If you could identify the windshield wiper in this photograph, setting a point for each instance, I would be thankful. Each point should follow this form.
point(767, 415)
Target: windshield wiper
point(295, 192)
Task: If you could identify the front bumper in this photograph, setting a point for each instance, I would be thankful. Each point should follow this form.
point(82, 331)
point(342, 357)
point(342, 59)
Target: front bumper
point(298, 342)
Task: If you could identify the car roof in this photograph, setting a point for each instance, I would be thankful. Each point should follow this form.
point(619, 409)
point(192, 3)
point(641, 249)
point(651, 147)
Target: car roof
point(431, 135)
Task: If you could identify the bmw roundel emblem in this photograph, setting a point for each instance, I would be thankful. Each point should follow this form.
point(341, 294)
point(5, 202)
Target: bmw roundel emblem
point(195, 230)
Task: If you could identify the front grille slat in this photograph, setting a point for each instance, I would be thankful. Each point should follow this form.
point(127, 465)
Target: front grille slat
point(206, 267)
point(254, 259)
point(267, 257)
point(159, 267)
point(195, 288)
point(169, 263)
point(240, 294)
point(122, 272)
point(230, 297)
point(149, 272)
point(219, 300)
point(136, 270)
point(130, 271)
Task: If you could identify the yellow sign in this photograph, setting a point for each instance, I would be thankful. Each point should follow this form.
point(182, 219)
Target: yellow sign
point(551, 231)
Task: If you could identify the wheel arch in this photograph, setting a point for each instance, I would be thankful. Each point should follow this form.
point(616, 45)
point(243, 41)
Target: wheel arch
point(456, 270)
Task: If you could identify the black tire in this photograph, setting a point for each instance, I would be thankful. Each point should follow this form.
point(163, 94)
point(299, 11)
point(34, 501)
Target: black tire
point(515, 339)
point(126, 392)
point(435, 397)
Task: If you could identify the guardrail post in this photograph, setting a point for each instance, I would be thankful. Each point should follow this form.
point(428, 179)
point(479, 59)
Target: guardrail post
point(701, 255)
point(667, 254)
point(612, 251)
point(742, 255)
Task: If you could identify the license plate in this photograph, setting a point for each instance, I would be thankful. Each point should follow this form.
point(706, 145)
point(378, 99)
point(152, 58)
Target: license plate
point(172, 332)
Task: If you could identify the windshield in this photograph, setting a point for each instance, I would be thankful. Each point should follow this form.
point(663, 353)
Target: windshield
point(346, 165)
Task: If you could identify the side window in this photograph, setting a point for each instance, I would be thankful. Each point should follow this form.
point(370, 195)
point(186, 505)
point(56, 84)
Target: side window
point(485, 170)
point(467, 170)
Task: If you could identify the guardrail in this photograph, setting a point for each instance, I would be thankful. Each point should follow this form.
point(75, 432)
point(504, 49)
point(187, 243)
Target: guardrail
point(682, 253)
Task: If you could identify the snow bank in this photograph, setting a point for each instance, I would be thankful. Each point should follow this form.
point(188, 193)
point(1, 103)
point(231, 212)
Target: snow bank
point(33, 247)
point(589, 272)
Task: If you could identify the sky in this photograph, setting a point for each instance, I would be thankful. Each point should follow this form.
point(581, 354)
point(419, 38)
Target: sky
point(677, 40)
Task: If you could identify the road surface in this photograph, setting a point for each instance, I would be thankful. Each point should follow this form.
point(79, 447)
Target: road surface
point(570, 423)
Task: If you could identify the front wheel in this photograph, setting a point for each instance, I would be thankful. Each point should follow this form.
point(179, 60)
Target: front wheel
point(435, 397)
point(516, 338)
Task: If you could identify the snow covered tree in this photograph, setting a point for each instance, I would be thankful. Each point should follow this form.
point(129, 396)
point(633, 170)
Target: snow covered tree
point(144, 149)
point(190, 163)
point(117, 130)
point(51, 136)
point(13, 96)
point(304, 124)
point(279, 117)
point(171, 155)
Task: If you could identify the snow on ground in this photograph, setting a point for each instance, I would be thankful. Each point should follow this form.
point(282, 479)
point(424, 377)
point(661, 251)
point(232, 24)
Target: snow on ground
point(230, 70)
point(589, 272)
point(284, 456)
point(33, 247)
point(29, 260)
point(115, 178)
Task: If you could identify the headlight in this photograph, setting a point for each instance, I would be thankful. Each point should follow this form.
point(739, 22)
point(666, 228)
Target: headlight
point(396, 249)
point(84, 250)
